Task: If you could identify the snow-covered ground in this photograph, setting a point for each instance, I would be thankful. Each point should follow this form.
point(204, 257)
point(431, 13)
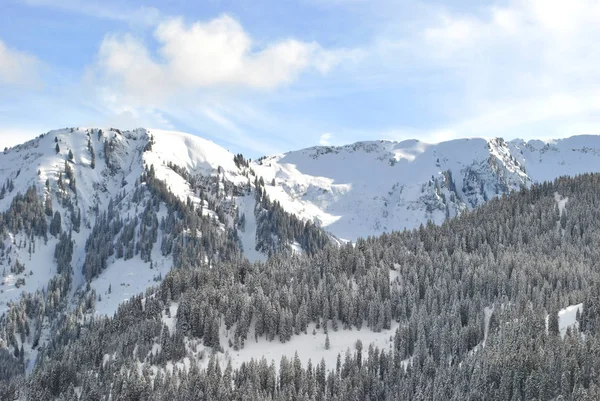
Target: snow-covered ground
point(311, 346)
point(197, 155)
point(487, 314)
point(39, 268)
point(126, 278)
point(246, 205)
point(561, 202)
point(567, 318)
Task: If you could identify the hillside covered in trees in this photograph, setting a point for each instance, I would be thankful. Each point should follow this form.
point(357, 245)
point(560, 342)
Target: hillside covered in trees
point(89, 218)
point(474, 301)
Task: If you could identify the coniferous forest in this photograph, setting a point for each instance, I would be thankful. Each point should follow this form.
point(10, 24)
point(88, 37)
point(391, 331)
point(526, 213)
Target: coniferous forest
point(475, 302)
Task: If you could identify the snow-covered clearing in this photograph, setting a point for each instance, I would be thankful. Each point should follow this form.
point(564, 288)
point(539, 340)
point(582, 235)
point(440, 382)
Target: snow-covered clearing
point(567, 318)
point(311, 346)
point(487, 314)
point(246, 205)
point(123, 279)
point(561, 202)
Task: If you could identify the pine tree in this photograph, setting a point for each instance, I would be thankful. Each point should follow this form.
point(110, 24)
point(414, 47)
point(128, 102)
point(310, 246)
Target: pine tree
point(48, 205)
point(56, 224)
point(553, 327)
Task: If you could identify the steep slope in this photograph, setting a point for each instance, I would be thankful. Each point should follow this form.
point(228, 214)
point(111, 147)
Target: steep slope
point(90, 218)
point(373, 187)
point(118, 198)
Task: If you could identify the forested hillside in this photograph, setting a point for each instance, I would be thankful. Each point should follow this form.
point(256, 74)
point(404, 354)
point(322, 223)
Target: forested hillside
point(89, 218)
point(474, 302)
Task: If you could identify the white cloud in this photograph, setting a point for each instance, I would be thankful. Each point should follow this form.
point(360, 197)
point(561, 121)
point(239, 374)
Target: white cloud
point(216, 53)
point(220, 52)
point(18, 68)
point(541, 42)
point(528, 67)
point(125, 64)
point(325, 139)
point(208, 75)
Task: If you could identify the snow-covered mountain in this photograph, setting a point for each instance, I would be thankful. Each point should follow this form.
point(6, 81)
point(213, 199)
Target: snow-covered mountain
point(368, 188)
point(91, 217)
point(85, 175)
point(81, 178)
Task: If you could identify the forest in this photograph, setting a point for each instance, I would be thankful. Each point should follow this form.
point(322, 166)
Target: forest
point(475, 302)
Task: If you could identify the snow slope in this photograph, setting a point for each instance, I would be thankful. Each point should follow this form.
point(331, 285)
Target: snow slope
point(368, 188)
point(120, 160)
point(246, 205)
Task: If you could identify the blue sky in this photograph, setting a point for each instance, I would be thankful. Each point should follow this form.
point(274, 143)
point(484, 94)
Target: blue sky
point(262, 77)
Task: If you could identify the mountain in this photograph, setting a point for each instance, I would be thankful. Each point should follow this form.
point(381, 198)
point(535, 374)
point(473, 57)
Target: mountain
point(250, 209)
point(498, 304)
point(195, 250)
point(115, 201)
point(369, 188)
point(351, 191)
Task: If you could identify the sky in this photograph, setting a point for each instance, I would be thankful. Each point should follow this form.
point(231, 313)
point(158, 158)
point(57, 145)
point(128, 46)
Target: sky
point(268, 76)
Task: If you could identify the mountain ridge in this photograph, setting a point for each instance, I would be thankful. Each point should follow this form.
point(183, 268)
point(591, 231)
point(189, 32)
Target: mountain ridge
point(83, 173)
point(371, 187)
point(351, 191)
point(401, 184)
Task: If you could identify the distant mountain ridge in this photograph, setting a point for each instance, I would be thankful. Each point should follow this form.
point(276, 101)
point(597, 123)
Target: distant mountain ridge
point(352, 191)
point(368, 188)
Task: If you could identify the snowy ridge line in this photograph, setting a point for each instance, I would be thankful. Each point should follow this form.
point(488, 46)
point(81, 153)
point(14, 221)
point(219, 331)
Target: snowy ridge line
point(369, 188)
